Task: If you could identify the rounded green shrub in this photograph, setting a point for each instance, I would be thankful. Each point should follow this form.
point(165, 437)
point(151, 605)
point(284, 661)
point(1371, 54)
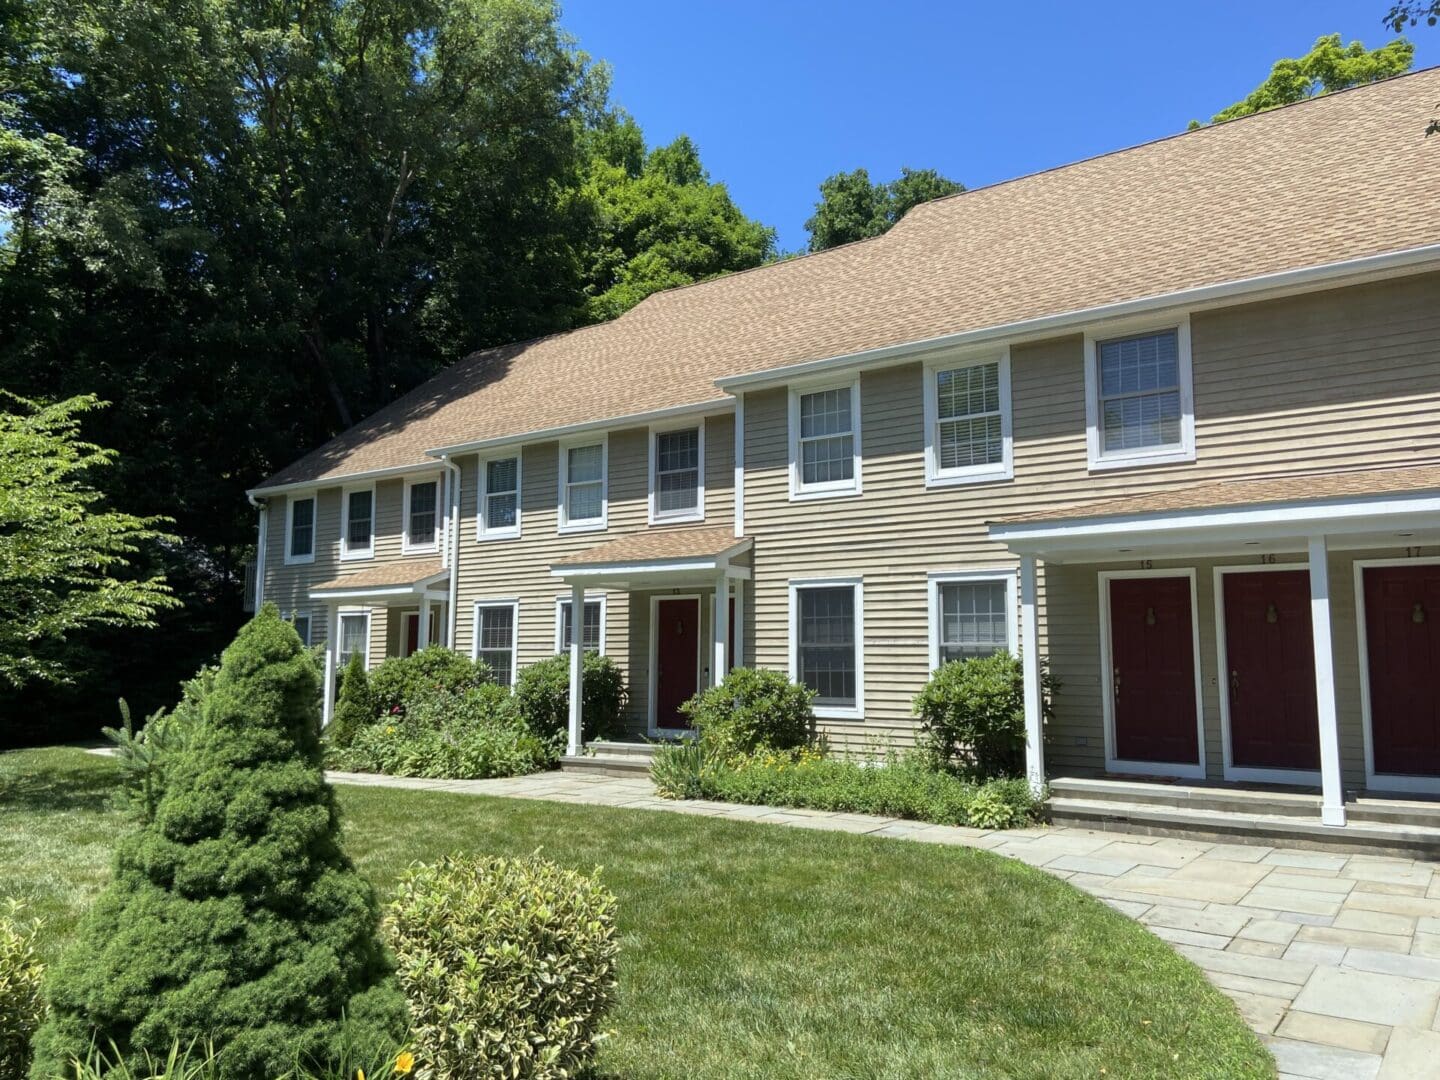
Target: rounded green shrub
point(233, 916)
point(399, 679)
point(355, 707)
point(542, 691)
point(22, 1005)
point(753, 709)
point(508, 966)
point(972, 716)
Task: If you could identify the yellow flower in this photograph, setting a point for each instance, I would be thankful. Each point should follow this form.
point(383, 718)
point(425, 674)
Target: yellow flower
point(405, 1062)
point(359, 1074)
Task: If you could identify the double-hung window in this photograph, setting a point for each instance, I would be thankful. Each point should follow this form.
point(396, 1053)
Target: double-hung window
point(972, 614)
point(496, 624)
point(300, 529)
point(1139, 401)
point(422, 515)
point(592, 630)
point(583, 502)
point(967, 422)
point(677, 479)
point(357, 529)
point(499, 498)
point(354, 637)
point(826, 638)
point(301, 623)
point(825, 441)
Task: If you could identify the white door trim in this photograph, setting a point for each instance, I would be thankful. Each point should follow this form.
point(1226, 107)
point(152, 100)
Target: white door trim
point(1189, 770)
point(651, 714)
point(1309, 777)
point(1427, 785)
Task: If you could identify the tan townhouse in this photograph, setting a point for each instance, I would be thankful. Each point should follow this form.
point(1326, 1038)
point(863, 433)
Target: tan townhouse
point(1167, 420)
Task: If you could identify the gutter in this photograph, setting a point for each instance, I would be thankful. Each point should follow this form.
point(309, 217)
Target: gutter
point(340, 479)
point(452, 554)
point(699, 408)
point(262, 541)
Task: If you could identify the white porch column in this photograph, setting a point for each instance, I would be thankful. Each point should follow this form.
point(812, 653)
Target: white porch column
point(422, 632)
point(577, 666)
point(1332, 808)
point(1030, 671)
point(720, 616)
point(327, 708)
point(737, 646)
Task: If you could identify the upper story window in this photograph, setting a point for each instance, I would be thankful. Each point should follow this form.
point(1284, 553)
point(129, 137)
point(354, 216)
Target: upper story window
point(677, 478)
point(592, 630)
point(422, 515)
point(826, 635)
point(499, 498)
point(300, 529)
point(1139, 401)
point(967, 422)
point(825, 441)
point(972, 614)
point(583, 503)
point(357, 529)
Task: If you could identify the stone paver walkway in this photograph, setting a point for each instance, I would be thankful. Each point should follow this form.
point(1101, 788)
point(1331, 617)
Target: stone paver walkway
point(1333, 959)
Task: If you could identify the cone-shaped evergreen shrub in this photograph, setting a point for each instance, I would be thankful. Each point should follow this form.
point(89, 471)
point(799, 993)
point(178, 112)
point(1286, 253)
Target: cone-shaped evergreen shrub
point(233, 915)
point(355, 708)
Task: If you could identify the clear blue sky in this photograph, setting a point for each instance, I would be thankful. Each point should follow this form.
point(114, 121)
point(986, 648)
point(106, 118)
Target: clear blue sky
point(779, 94)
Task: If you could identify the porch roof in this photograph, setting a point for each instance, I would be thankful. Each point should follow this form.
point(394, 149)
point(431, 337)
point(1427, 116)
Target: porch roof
point(410, 577)
point(656, 558)
point(1395, 506)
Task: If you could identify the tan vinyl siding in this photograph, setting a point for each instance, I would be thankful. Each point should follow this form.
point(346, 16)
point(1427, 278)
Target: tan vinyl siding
point(1349, 377)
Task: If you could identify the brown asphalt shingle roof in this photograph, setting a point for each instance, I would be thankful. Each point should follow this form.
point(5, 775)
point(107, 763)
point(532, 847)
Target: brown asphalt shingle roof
point(1229, 494)
point(1339, 177)
point(657, 544)
point(404, 572)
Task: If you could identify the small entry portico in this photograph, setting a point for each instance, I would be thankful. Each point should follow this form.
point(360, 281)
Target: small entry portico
point(687, 570)
point(1233, 626)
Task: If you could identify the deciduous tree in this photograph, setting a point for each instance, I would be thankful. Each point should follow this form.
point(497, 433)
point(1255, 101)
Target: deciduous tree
point(852, 207)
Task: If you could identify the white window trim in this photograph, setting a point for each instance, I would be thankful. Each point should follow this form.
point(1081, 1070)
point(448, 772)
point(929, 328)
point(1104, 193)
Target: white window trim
point(340, 616)
point(483, 531)
point(563, 646)
point(1004, 469)
point(346, 551)
point(832, 488)
point(1007, 575)
point(831, 712)
point(599, 524)
point(1159, 455)
point(673, 516)
point(514, 606)
point(407, 546)
point(290, 501)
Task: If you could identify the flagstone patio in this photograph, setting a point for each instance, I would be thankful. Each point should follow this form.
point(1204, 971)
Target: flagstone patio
point(1333, 959)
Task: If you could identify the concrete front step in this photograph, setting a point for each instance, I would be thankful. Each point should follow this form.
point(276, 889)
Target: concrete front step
point(605, 764)
point(1228, 825)
point(621, 748)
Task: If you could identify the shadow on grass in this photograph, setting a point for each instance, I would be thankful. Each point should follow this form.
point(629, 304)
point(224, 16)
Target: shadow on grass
point(60, 786)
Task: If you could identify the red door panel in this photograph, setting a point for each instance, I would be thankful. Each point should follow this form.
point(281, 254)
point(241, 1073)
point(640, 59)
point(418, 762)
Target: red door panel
point(1403, 643)
point(677, 639)
point(1152, 657)
point(412, 633)
point(1270, 670)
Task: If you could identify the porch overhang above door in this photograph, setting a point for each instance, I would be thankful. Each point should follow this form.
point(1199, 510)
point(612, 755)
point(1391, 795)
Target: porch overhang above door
point(658, 559)
point(1356, 508)
point(388, 583)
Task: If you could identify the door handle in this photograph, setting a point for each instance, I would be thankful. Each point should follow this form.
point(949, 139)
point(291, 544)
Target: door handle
point(1234, 686)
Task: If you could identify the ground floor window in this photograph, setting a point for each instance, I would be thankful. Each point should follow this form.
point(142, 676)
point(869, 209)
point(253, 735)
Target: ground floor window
point(354, 637)
point(495, 640)
point(301, 622)
point(826, 644)
point(592, 630)
point(971, 615)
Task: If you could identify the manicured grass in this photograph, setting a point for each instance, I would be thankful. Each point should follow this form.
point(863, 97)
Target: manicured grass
point(758, 950)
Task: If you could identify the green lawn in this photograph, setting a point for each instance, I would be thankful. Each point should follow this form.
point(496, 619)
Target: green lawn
point(757, 950)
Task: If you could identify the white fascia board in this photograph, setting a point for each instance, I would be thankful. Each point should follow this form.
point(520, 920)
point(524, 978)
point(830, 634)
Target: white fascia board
point(342, 479)
point(1328, 516)
point(714, 563)
point(416, 588)
point(640, 419)
point(1242, 290)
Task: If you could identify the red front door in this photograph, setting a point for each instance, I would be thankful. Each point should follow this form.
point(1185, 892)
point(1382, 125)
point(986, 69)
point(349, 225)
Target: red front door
point(1152, 658)
point(1270, 670)
point(412, 634)
point(677, 644)
point(1403, 642)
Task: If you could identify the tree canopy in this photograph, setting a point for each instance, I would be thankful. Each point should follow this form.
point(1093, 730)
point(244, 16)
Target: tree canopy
point(1327, 67)
point(852, 207)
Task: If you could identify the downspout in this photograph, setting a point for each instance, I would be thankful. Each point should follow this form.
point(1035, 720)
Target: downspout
point(262, 540)
point(452, 559)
